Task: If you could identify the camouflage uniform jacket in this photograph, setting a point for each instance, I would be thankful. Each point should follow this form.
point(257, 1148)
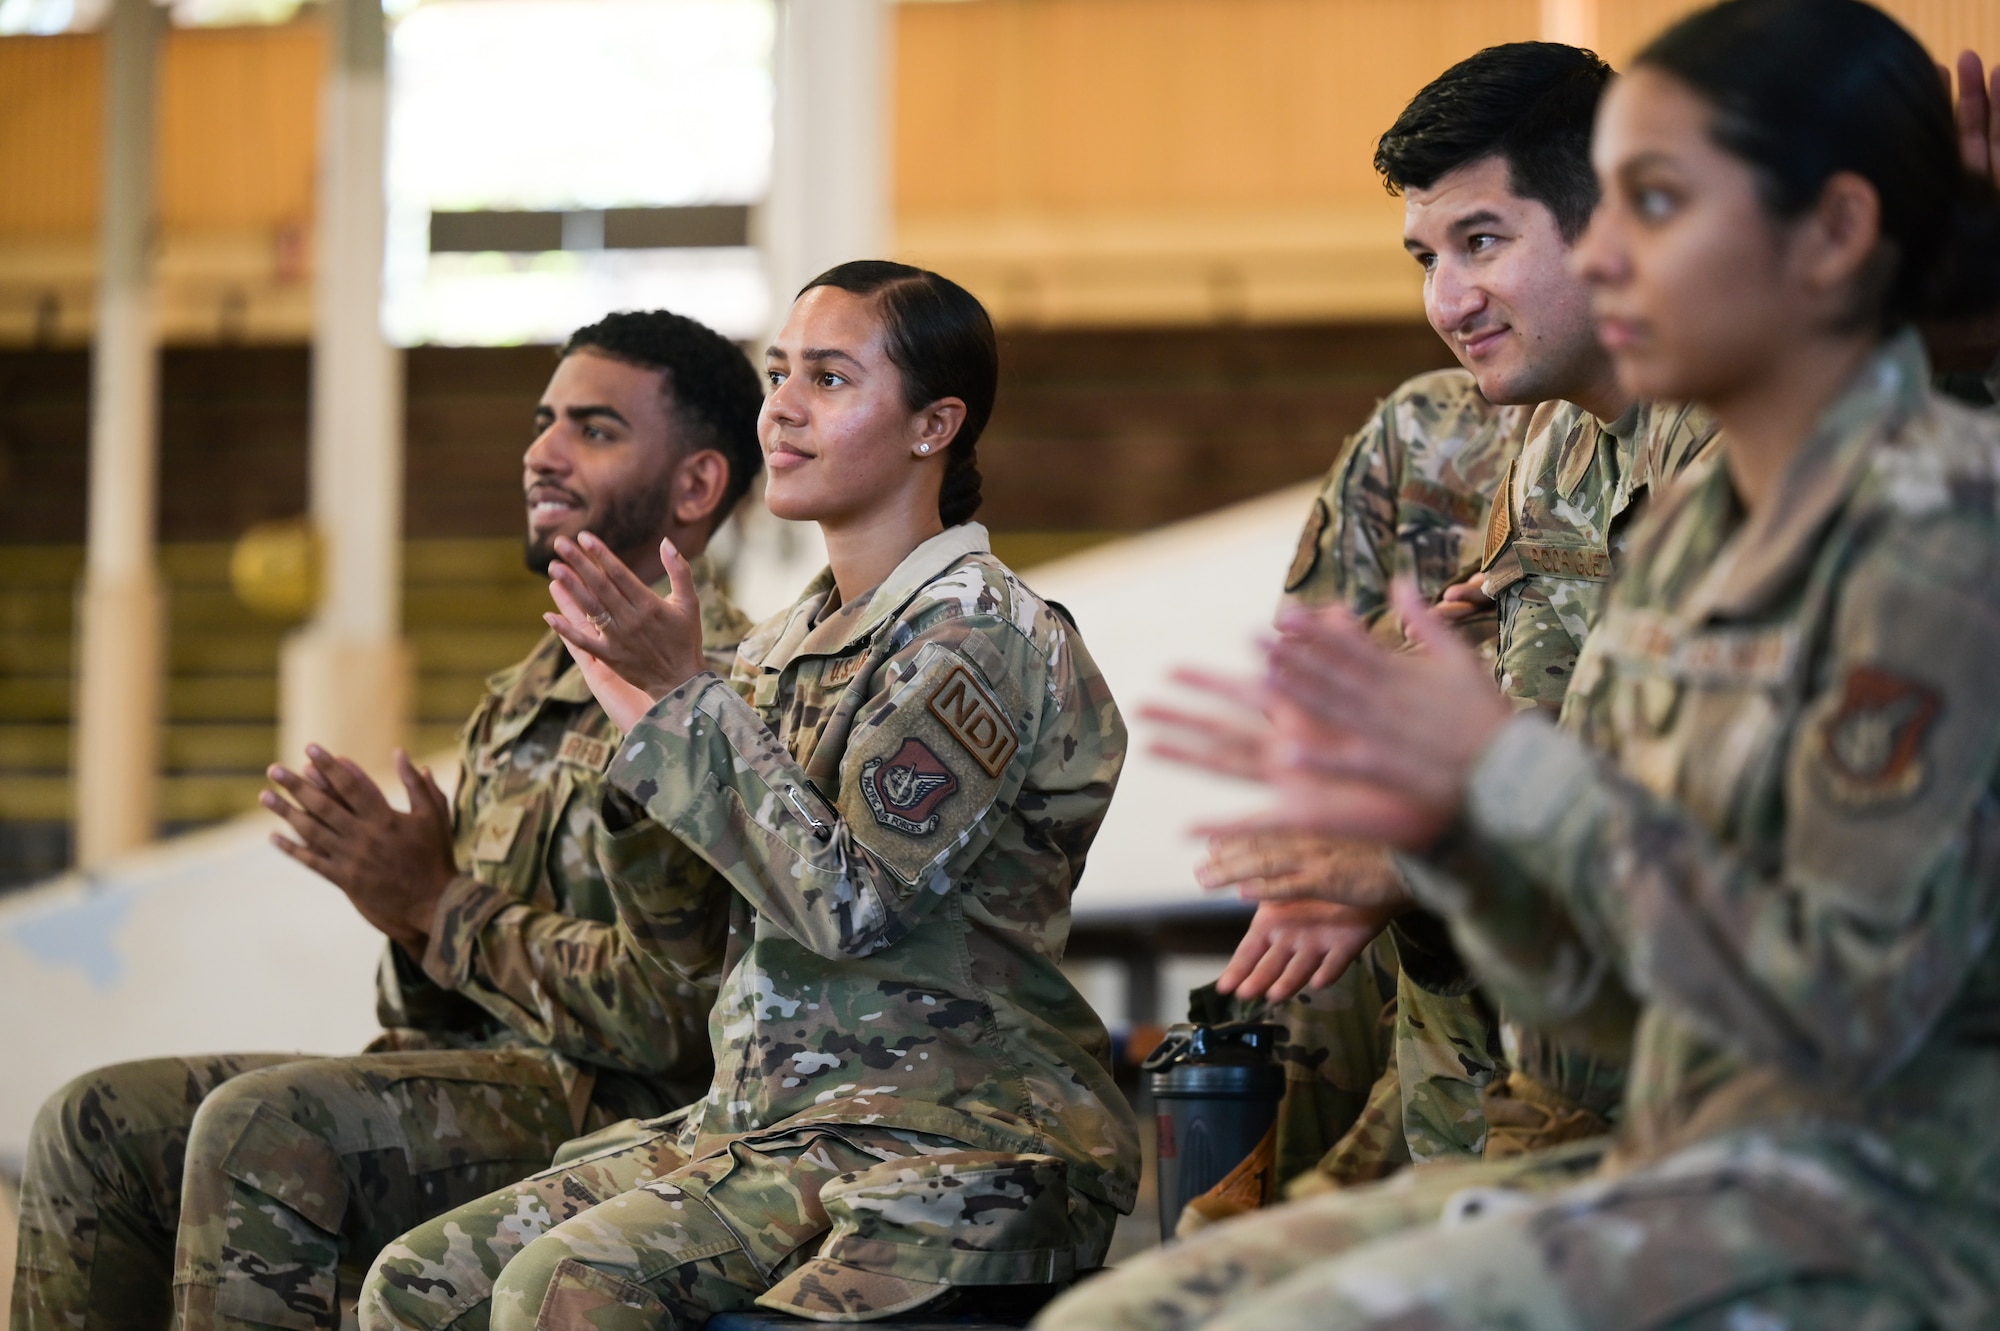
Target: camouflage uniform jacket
point(1408, 493)
point(1553, 546)
point(1777, 818)
point(526, 950)
point(1555, 536)
point(1563, 502)
point(902, 791)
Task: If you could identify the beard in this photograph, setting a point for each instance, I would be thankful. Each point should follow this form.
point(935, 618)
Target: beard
point(628, 522)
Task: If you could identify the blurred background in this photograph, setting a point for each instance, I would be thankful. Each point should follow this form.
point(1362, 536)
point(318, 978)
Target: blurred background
point(279, 287)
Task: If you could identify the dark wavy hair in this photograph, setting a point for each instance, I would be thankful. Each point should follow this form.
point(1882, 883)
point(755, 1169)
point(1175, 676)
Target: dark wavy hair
point(1805, 89)
point(1532, 104)
point(712, 388)
point(941, 339)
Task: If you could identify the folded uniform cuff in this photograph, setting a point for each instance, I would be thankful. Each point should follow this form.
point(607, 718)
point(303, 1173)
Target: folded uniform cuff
point(1526, 780)
point(462, 912)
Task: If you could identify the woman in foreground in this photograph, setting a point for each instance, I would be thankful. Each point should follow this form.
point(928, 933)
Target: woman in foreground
point(1773, 818)
point(900, 780)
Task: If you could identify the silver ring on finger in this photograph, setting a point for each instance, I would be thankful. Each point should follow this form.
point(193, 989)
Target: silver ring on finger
point(601, 620)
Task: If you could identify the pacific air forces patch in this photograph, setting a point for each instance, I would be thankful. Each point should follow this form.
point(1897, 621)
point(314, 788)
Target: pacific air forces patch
point(904, 790)
point(1870, 748)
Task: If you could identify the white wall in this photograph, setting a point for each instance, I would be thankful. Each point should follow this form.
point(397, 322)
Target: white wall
point(1194, 593)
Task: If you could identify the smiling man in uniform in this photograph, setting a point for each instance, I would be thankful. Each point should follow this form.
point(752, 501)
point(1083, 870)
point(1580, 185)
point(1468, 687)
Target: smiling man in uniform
point(1401, 1059)
point(228, 1191)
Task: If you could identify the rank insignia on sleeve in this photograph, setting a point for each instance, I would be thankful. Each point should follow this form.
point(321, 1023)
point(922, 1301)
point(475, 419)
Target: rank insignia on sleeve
point(1307, 558)
point(1870, 749)
point(498, 831)
point(904, 789)
point(974, 719)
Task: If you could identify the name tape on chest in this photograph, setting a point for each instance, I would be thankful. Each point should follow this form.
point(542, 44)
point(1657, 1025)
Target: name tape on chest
point(1455, 506)
point(974, 718)
point(1590, 563)
point(841, 671)
point(1756, 657)
point(581, 750)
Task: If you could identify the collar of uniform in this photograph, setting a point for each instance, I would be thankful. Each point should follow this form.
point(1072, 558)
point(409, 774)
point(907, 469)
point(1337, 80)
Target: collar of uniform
point(859, 618)
point(1626, 425)
point(1774, 544)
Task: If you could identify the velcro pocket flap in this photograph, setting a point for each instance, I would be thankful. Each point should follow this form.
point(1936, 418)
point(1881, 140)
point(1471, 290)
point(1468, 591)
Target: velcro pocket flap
point(292, 1165)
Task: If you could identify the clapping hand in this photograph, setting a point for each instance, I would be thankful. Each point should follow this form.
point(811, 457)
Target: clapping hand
point(1294, 945)
point(1356, 740)
point(393, 866)
point(633, 645)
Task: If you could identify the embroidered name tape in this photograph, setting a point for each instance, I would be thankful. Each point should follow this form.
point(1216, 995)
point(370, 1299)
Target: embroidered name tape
point(1464, 509)
point(583, 751)
point(839, 672)
point(972, 717)
point(1565, 561)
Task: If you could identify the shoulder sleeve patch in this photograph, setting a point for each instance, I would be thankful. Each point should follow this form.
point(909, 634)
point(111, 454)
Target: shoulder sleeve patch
point(1870, 747)
point(1307, 558)
point(973, 717)
point(904, 789)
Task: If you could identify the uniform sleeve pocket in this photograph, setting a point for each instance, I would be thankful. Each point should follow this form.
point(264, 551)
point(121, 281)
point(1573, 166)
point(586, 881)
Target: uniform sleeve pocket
point(923, 770)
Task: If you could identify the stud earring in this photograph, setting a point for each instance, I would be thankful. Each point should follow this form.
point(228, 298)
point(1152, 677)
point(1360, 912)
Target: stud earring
point(923, 448)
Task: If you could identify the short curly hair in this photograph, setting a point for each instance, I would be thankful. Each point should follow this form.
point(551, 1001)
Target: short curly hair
point(714, 391)
point(1531, 104)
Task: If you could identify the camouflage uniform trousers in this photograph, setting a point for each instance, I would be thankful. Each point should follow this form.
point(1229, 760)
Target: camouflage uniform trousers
point(1338, 1041)
point(626, 1233)
point(228, 1190)
point(1746, 1232)
point(1189, 1283)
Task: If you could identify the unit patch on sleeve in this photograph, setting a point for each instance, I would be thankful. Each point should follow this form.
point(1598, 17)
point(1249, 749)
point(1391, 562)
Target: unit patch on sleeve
point(973, 717)
point(1307, 558)
point(904, 790)
point(1870, 749)
point(583, 751)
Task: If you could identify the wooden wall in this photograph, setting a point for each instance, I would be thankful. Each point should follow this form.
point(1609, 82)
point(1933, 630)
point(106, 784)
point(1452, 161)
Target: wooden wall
point(238, 125)
point(1096, 430)
point(1077, 162)
point(1189, 161)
